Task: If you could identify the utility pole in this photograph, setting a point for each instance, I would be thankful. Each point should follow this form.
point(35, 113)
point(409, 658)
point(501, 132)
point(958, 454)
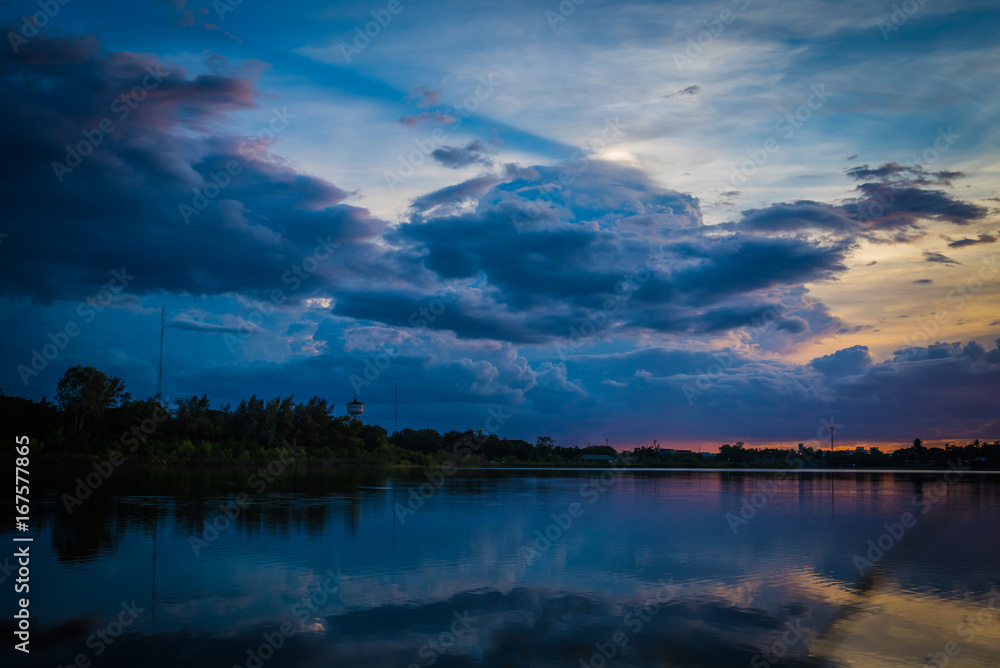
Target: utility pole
point(159, 376)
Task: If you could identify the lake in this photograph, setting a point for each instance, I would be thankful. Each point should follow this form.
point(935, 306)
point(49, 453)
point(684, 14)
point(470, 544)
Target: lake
point(515, 568)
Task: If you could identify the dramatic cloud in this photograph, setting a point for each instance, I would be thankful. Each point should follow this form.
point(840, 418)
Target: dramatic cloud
point(154, 183)
point(894, 206)
point(847, 362)
point(559, 281)
point(889, 211)
point(611, 252)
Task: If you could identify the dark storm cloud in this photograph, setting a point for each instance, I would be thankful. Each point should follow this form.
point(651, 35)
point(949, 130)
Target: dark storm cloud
point(907, 205)
point(474, 317)
point(886, 213)
point(846, 362)
point(535, 253)
point(531, 256)
point(542, 261)
point(121, 206)
point(798, 216)
point(894, 199)
point(742, 265)
point(454, 157)
point(774, 399)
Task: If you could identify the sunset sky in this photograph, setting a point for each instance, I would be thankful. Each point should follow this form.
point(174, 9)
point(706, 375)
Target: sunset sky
point(691, 222)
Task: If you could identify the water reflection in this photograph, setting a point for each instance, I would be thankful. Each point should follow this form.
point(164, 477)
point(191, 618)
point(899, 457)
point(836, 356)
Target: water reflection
point(497, 569)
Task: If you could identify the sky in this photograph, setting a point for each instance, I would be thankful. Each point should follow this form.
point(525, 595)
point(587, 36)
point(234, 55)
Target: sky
point(598, 221)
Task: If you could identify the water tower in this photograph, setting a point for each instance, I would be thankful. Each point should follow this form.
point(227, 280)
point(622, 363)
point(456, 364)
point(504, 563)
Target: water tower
point(355, 408)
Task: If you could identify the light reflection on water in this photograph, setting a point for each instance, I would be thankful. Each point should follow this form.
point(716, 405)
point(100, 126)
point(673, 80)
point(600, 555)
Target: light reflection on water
point(648, 558)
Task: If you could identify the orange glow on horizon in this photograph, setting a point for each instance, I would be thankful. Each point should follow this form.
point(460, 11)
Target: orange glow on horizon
point(884, 446)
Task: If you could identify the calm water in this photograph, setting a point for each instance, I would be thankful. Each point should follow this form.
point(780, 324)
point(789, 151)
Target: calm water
point(646, 570)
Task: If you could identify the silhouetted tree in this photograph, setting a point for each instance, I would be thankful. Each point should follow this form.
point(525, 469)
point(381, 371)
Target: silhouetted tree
point(85, 394)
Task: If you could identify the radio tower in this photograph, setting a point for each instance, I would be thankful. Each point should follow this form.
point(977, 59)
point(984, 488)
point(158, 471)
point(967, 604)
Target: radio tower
point(159, 375)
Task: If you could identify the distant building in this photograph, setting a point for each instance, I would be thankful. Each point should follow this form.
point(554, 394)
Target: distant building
point(355, 408)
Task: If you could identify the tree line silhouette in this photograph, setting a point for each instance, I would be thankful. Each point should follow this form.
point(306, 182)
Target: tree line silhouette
point(94, 414)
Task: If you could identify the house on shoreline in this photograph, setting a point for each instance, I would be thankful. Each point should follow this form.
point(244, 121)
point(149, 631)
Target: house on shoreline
point(597, 459)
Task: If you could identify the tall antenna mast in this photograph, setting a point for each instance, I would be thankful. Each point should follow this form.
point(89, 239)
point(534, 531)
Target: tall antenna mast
point(159, 376)
point(395, 408)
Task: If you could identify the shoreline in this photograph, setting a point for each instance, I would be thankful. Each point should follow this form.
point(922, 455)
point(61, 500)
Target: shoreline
point(63, 462)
